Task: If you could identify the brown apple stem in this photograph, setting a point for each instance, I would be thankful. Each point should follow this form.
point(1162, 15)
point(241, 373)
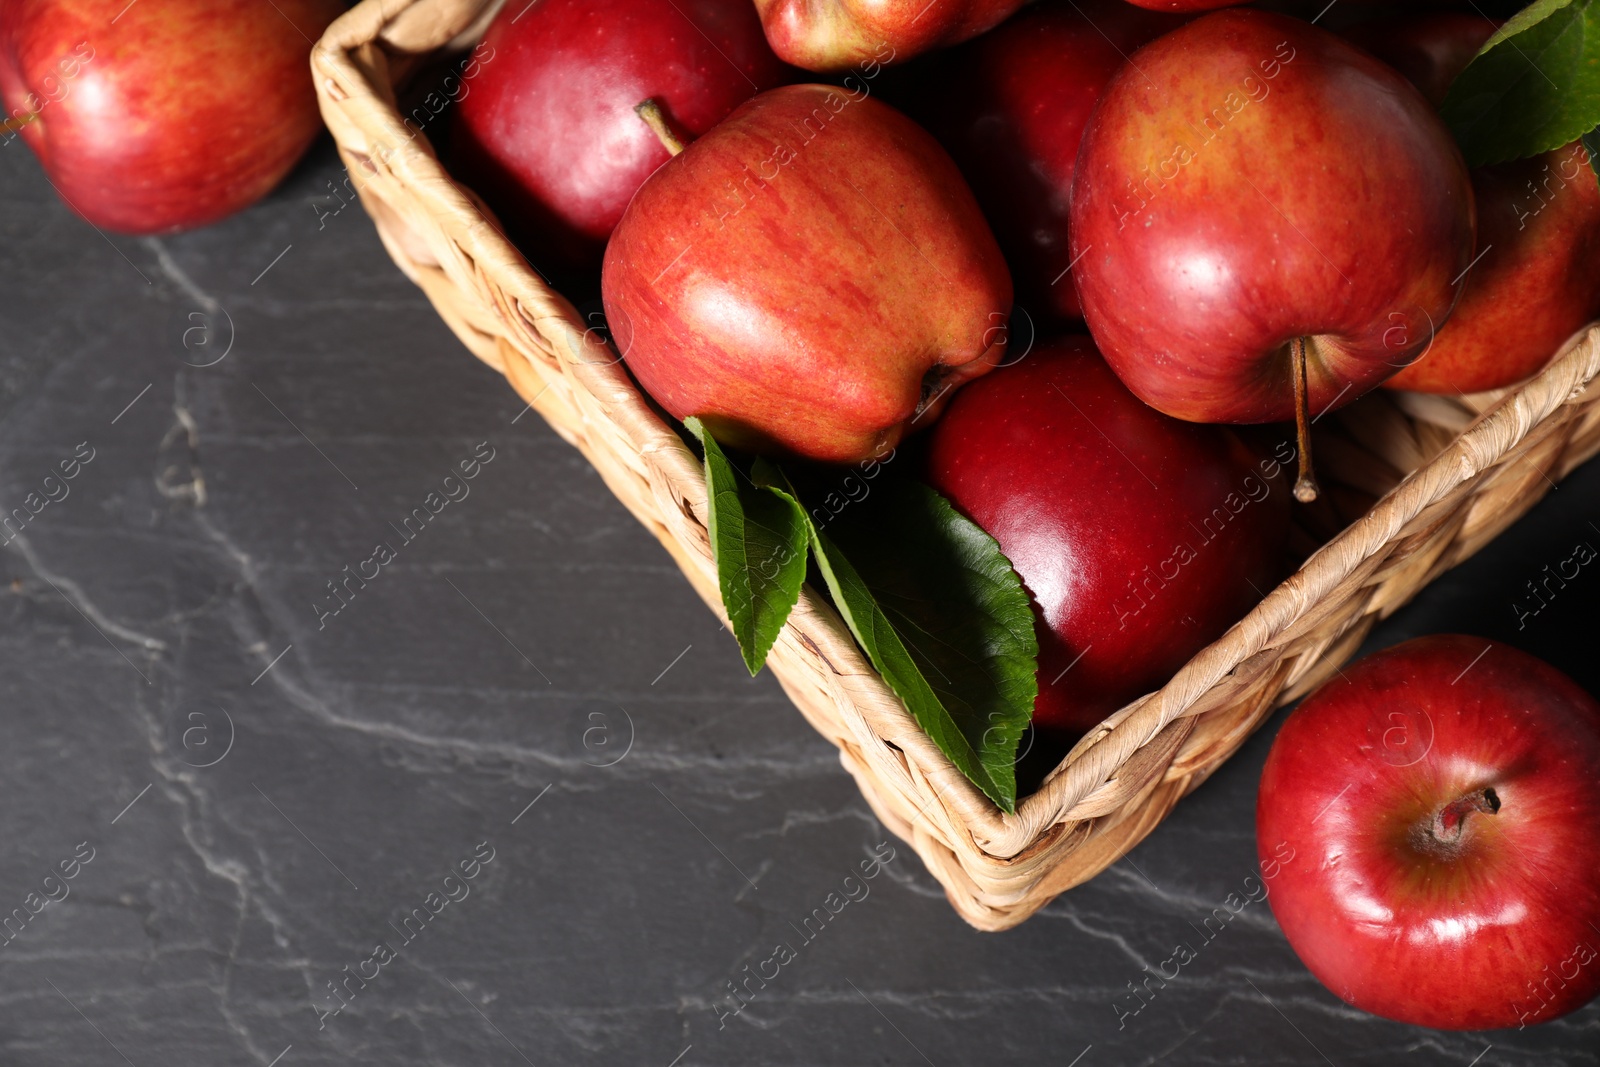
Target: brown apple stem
point(1451, 821)
point(650, 111)
point(1305, 486)
point(12, 125)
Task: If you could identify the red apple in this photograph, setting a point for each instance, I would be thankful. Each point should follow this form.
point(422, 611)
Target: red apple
point(827, 35)
point(1534, 283)
point(811, 276)
point(1439, 797)
point(1252, 190)
point(156, 117)
point(1139, 538)
point(1011, 107)
point(547, 133)
point(1430, 49)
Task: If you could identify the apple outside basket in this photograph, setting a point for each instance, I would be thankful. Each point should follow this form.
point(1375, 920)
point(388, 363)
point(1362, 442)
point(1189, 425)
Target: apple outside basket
point(1413, 485)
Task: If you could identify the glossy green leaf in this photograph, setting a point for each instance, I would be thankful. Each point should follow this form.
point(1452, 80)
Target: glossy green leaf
point(1534, 87)
point(943, 617)
point(758, 537)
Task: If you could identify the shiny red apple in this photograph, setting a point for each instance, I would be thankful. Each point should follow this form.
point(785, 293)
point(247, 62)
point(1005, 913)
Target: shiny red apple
point(809, 277)
point(829, 35)
point(1252, 191)
point(1011, 107)
point(546, 132)
point(1537, 283)
point(1533, 282)
point(1439, 797)
point(156, 117)
point(1139, 538)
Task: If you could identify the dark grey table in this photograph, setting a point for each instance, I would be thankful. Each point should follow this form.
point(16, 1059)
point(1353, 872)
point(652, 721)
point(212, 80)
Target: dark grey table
point(267, 790)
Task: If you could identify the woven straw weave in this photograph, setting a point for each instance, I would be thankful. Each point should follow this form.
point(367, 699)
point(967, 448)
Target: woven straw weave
point(1415, 483)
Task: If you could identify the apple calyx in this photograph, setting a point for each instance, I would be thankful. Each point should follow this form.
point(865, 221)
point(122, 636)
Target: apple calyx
point(1451, 821)
point(650, 111)
point(1305, 485)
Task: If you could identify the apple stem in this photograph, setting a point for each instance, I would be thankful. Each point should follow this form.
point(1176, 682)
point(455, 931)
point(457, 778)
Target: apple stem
point(1451, 821)
point(1305, 486)
point(650, 111)
point(12, 125)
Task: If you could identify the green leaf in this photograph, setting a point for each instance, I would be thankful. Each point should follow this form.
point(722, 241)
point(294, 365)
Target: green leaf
point(758, 537)
point(1534, 87)
point(945, 620)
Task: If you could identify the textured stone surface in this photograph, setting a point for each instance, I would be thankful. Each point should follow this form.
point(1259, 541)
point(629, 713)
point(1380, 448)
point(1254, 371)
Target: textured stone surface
point(297, 788)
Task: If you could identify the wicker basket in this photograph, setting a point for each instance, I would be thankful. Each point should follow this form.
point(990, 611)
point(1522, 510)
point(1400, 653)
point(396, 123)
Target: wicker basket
point(1415, 483)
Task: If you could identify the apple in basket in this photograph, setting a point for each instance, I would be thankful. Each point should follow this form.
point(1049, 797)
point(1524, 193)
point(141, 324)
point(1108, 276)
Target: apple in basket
point(812, 276)
point(1533, 281)
point(1270, 221)
point(1441, 795)
point(829, 35)
point(547, 133)
point(1011, 107)
point(1536, 284)
point(1139, 538)
point(156, 117)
